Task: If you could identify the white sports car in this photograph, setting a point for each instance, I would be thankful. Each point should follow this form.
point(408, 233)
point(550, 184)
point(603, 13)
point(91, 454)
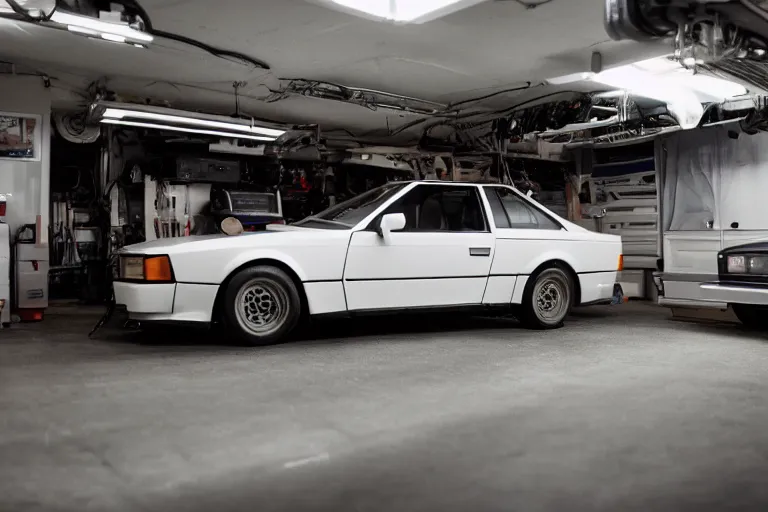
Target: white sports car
point(402, 246)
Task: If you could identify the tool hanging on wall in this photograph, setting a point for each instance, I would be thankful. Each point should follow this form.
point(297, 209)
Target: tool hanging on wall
point(157, 221)
point(172, 218)
point(163, 213)
point(187, 225)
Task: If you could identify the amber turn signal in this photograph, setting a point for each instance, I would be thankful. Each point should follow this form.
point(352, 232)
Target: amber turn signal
point(621, 263)
point(157, 268)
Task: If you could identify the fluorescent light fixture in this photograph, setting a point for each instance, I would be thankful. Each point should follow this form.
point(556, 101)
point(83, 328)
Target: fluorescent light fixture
point(568, 79)
point(104, 36)
point(82, 30)
point(81, 24)
point(187, 130)
point(121, 114)
point(405, 11)
point(113, 37)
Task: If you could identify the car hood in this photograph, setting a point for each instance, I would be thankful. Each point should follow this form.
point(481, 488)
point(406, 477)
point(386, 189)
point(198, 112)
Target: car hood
point(292, 236)
point(759, 246)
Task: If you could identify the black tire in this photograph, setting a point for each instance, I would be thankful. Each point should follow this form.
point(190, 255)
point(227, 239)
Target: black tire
point(753, 317)
point(261, 306)
point(555, 287)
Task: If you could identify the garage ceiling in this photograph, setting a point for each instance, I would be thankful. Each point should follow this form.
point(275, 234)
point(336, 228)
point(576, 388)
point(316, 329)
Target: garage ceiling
point(483, 48)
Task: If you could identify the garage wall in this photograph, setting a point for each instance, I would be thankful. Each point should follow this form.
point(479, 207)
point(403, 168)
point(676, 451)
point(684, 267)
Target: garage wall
point(27, 182)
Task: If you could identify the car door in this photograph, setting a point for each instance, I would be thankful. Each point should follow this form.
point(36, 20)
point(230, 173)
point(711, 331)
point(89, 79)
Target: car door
point(441, 258)
point(523, 233)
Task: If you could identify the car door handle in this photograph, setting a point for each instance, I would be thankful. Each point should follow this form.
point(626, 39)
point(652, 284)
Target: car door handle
point(479, 251)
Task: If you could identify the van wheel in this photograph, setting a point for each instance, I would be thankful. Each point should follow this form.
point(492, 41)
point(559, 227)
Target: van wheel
point(547, 299)
point(261, 305)
point(753, 317)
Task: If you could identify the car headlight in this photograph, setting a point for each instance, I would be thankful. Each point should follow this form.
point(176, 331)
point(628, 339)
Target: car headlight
point(742, 264)
point(146, 268)
point(132, 267)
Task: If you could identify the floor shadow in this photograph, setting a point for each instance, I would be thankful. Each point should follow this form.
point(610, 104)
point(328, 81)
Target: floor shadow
point(726, 329)
point(331, 330)
point(402, 325)
point(118, 330)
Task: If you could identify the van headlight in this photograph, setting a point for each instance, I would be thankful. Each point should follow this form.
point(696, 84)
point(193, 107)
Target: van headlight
point(743, 264)
point(156, 269)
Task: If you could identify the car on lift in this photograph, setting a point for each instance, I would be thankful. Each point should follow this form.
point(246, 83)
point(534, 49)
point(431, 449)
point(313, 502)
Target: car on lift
point(404, 246)
point(703, 30)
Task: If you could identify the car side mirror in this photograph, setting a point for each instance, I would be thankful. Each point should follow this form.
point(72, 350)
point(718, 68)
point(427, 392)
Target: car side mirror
point(390, 222)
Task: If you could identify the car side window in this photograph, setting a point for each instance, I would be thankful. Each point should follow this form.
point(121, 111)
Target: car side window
point(500, 218)
point(519, 214)
point(429, 208)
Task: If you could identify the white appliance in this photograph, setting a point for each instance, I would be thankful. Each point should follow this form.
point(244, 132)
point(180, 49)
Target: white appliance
point(5, 275)
point(31, 275)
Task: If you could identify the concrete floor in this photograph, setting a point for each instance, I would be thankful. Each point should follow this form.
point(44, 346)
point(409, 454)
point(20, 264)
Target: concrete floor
point(623, 409)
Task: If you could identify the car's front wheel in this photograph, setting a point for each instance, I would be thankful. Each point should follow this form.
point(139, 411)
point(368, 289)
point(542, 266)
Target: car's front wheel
point(754, 317)
point(547, 299)
point(261, 305)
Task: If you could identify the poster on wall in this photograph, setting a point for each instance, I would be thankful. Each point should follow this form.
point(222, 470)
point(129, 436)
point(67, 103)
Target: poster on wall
point(17, 137)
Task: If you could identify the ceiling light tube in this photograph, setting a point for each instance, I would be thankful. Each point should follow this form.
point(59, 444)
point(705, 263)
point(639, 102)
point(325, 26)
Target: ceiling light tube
point(102, 27)
point(117, 113)
point(112, 37)
point(568, 79)
point(82, 30)
point(188, 130)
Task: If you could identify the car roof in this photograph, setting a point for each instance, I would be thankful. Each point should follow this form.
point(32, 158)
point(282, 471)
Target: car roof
point(455, 183)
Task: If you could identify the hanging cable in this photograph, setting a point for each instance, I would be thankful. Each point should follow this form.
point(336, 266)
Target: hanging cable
point(497, 113)
point(133, 7)
point(136, 9)
point(236, 86)
point(452, 106)
point(216, 52)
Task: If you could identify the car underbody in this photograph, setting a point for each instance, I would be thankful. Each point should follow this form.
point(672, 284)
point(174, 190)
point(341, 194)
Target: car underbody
point(703, 30)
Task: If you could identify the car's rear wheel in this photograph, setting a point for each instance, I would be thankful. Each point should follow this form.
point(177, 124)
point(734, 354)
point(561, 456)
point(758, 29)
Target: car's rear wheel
point(261, 305)
point(547, 299)
point(754, 317)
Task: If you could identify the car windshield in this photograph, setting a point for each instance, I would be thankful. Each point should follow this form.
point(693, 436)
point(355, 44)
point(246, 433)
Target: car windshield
point(348, 214)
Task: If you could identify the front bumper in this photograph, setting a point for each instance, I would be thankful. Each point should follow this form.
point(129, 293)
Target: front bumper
point(735, 293)
point(167, 302)
point(706, 291)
